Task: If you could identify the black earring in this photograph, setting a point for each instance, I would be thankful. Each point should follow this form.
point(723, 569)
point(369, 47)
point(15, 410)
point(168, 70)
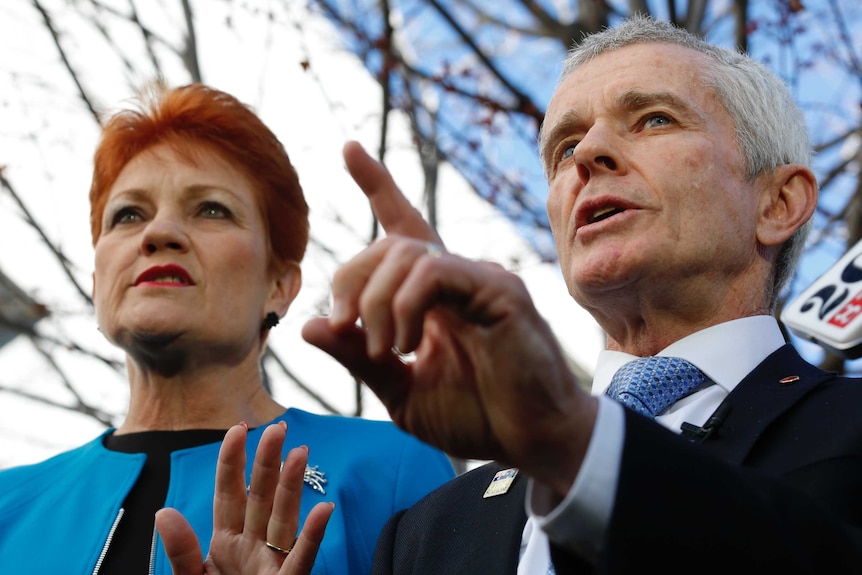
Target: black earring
point(270, 321)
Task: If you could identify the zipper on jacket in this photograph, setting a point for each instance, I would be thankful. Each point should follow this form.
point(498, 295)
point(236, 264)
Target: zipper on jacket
point(152, 569)
point(108, 541)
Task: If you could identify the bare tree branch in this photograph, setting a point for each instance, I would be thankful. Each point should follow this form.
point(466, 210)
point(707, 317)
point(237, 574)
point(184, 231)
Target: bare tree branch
point(49, 24)
point(64, 262)
point(98, 416)
point(269, 354)
point(103, 30)
point(190, 50)
point(30, 332)
point(846, 39)
point(148, 33)
point(695, 15)
point(740, 10)
point(524, 102)
point(148, 38)
point(80, 404)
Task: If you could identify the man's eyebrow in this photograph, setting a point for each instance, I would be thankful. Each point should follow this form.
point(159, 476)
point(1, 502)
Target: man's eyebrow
point(631, 100)
point(628, 101)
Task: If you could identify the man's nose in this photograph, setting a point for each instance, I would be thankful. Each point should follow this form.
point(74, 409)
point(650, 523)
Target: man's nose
point(598, 152)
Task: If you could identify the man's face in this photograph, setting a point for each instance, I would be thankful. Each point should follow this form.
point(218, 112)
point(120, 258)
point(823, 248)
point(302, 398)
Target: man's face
point(649, 196)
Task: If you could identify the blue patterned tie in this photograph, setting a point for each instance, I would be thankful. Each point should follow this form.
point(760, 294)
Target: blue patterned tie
point(649, 385)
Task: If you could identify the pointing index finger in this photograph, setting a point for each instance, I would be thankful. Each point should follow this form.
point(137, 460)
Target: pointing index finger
point(395, 213)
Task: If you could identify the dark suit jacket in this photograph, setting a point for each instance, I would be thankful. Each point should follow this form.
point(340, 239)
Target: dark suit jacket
point(777, 489)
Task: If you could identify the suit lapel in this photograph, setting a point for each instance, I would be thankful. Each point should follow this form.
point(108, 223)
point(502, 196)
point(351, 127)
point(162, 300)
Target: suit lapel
point(772, 388)
point(498, 524)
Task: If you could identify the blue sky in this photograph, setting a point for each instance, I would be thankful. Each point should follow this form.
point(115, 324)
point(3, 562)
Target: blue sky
point(496, 151)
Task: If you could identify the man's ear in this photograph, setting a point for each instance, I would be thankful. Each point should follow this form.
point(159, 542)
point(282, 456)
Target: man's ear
point(788, 200)
point(285, 286)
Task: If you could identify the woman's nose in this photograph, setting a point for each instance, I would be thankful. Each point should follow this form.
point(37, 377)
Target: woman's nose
point(164, 232)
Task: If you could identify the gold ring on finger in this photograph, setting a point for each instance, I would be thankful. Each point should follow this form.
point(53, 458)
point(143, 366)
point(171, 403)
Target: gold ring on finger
point(285, 551)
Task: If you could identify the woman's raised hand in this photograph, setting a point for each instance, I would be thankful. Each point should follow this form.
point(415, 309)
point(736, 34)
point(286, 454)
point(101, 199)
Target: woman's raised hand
point(254, 530)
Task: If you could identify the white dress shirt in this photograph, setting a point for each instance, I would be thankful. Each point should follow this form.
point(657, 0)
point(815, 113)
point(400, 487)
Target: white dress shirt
point(726, 353)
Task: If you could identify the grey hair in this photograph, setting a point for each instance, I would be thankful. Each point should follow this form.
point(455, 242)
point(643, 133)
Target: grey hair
point(770, 127)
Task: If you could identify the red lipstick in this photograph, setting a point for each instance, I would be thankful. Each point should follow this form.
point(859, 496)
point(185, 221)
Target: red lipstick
point(169, 275)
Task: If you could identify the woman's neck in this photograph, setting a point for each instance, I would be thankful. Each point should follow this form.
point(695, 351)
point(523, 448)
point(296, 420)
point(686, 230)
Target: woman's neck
point(214, 397)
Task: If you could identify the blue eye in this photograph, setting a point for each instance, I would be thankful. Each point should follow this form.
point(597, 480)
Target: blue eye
point(658, 120)
point(568, 152)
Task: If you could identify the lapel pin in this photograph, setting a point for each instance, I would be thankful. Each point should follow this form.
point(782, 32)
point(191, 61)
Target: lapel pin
point(501, 482)
point(789, 379)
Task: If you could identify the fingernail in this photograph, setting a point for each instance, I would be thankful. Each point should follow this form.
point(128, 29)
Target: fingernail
point(283, 425)
point(244, 424)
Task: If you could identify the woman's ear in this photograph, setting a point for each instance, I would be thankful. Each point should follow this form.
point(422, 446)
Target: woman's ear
point(285, 286)
point(788, 201)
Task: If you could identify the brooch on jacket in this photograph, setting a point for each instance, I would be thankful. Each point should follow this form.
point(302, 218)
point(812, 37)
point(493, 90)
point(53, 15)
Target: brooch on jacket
point(313, 477)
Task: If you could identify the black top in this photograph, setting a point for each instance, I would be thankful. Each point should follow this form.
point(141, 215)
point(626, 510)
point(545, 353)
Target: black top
point(131, 546)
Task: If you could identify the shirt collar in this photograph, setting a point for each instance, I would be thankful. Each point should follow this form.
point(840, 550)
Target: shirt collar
point(726, 352)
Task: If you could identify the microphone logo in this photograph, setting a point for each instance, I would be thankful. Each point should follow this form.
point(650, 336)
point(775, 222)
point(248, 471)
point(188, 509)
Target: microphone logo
point(829, 311)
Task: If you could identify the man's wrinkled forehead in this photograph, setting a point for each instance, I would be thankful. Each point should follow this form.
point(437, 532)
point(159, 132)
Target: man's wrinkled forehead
point(635, 96)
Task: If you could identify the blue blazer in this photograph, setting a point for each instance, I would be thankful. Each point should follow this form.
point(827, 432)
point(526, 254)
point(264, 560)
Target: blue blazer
point(776, 489)
point(56, 516)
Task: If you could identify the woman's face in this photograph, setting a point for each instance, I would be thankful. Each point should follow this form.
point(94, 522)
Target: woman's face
point(183, 256)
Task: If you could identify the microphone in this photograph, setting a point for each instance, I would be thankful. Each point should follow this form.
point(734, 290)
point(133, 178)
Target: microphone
point(712, 425)
point(829, 311)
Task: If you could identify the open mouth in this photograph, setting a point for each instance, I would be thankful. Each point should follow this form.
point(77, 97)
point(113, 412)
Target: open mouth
point(167, 275)
point(604, 214)
point(166, 280)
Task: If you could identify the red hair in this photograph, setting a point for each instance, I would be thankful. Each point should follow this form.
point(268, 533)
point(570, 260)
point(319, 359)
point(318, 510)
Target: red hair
point(195, 116)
